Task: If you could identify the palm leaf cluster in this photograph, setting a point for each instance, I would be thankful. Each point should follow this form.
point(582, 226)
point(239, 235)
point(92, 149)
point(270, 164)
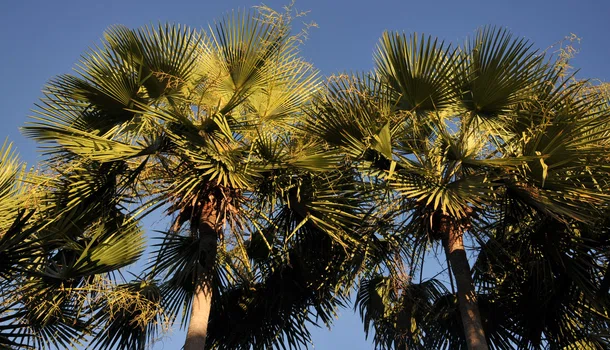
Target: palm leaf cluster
point(59, 249)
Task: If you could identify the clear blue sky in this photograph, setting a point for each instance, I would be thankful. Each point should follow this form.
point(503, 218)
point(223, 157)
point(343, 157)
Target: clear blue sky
point(43, 38)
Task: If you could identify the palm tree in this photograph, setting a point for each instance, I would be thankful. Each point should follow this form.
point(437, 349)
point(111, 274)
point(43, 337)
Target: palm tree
point(458, 134)
point(205, 127)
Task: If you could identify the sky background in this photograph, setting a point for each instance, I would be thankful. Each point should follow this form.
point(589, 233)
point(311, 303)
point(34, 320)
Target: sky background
point(44, 38)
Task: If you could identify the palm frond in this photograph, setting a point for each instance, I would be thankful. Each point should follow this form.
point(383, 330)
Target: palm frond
point(419, 70)
point(497, 72)
point(130, 316)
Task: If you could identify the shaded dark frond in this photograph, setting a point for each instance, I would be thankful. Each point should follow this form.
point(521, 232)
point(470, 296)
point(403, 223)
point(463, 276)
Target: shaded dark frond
point(398, 311)
point(547, 277)
point(129, 316)
point(273, 310)
point(177, 260)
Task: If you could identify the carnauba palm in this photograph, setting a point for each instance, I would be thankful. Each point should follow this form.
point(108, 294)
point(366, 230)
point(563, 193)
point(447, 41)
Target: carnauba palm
point(468, 142)
point(204, 127)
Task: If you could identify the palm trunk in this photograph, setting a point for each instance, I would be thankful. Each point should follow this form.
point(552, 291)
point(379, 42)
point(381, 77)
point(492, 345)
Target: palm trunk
point(202, 300)
point(453, 242)
point(200, 313)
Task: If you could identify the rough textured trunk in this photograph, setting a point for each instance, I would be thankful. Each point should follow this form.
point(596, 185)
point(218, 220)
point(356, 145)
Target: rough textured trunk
point(453, 242)
point(202, 300)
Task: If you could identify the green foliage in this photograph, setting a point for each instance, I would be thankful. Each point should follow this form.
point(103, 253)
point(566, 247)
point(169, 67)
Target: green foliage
point(308, 192)
point(492, 140)
point(203, 126)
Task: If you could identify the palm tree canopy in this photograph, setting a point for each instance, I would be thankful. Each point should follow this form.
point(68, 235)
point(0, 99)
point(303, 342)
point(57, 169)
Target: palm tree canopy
point(307, 189)
point(194, 123)
point(489, 137)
